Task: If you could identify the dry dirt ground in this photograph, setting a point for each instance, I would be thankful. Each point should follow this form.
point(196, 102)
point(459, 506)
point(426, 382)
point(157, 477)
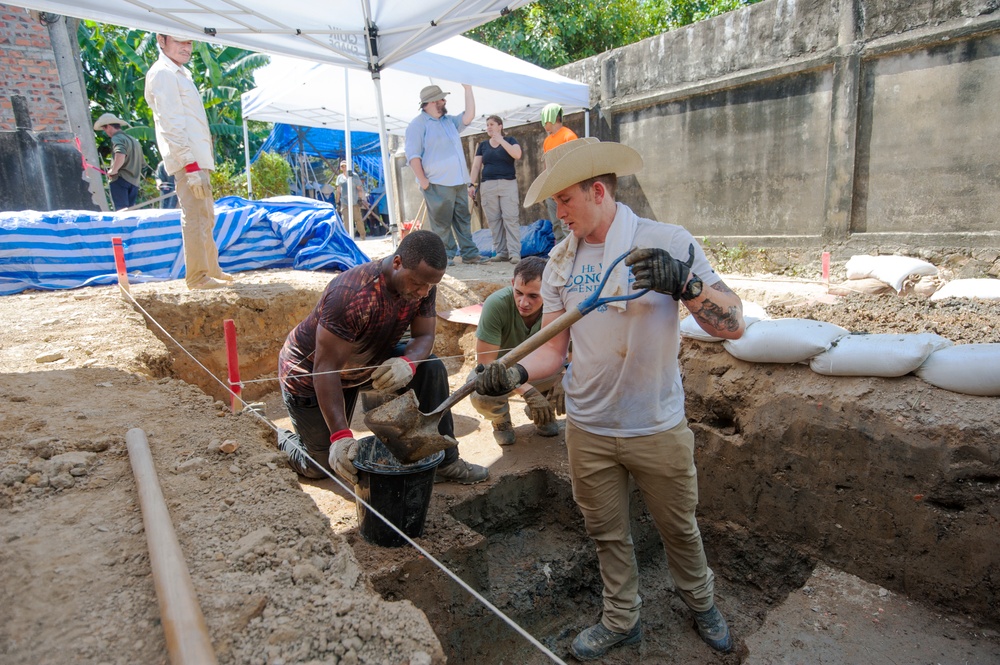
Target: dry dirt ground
point(281, 572)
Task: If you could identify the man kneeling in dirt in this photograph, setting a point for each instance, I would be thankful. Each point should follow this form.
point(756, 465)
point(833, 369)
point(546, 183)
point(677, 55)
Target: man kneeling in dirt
point(624, 398)
point(350, 343)
point(510, 316)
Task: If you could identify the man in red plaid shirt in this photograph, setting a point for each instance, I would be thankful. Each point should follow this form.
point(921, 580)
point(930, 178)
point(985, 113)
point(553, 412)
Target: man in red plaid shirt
point(351, 343)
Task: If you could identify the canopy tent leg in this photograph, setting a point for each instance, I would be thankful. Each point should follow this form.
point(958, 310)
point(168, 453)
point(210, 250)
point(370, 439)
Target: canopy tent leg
point(246, 157)
point(586, 123)
point(349, 203)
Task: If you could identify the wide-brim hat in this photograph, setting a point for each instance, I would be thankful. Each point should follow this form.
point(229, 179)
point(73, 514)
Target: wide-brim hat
point(579, 160)
point(432, 93)
point(109, 119)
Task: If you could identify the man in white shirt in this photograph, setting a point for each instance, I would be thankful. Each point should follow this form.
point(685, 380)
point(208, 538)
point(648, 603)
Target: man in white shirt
point(186, 147)
point(624, 398)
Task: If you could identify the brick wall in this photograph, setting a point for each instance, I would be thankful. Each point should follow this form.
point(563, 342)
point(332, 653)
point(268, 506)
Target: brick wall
point(28, 68)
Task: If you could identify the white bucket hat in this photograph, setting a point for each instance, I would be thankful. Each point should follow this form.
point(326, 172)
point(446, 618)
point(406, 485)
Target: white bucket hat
point(579, 160)
point(109, 119)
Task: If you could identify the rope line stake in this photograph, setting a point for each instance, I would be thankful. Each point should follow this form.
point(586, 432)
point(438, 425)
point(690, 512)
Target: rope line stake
point(233, 362)
point(119, 252)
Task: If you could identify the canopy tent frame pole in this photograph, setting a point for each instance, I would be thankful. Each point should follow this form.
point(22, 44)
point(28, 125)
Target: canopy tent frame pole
point(246, 157)
point(374, 66)
point(586, 122)
point(349, 203)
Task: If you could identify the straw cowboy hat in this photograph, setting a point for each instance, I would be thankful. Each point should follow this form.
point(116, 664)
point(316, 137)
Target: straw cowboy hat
point(109, 119)
point(432, 93)
point(579, 160)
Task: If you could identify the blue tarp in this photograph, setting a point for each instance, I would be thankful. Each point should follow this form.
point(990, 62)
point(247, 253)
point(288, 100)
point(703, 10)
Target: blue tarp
point(328, 143)
point(66, 249)
point(536, 239)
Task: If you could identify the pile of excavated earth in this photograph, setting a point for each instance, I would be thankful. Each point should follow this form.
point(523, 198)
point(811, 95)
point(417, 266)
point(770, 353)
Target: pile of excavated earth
point(848, 519)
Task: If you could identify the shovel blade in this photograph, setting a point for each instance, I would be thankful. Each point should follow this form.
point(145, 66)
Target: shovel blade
point(408, 434)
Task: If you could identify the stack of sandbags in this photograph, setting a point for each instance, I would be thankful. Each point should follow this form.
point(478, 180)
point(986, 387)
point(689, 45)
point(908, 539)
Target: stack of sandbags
point(983, 289)
point(752, 312)
point(878, 275)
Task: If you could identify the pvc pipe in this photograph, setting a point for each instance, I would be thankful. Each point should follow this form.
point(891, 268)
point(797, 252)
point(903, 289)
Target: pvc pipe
point(233, 361)
point(183, 623)
point(119, 251)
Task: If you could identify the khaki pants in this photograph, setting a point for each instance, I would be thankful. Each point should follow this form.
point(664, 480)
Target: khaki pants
point(500, 205)
point(201, 256)
point(495, 408)
point(663, 468)
point(359, 226)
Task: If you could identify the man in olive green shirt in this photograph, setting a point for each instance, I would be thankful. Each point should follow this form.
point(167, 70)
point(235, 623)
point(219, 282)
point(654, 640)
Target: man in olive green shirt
point(125, 172)
point(510, 316)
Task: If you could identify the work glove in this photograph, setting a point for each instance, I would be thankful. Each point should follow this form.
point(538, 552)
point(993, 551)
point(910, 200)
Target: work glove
point(200, 183)
point(342, 454)
point(393, 374)
point(655, 269)
point(557, 397)
point(495, 379)
point(538, 408)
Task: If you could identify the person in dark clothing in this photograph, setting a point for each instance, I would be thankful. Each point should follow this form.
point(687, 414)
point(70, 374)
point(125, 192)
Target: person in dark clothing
point(494, 161)
point(125, 172)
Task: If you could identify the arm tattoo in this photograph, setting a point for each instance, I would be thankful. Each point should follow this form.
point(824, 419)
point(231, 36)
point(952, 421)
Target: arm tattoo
point(715, 316)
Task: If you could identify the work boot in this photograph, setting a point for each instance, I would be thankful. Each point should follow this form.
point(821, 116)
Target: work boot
point(712, 627)
point(515, 259)
point(503, 431)
point(472, 260)
point(499, 259)
point(224, 276)
point(207, 282)
point(595, 641)
point(461, 472)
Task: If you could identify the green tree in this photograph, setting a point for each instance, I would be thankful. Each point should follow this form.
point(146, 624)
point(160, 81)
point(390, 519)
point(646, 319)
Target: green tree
point(115, 62)
point(551, 33)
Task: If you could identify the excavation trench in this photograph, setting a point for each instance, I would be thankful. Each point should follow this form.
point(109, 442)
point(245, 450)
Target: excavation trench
point(892, 481)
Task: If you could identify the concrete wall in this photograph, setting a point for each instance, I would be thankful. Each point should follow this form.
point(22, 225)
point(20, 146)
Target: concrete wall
point(862, 124)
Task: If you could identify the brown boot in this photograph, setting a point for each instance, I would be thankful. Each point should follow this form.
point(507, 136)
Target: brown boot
point(503, 431)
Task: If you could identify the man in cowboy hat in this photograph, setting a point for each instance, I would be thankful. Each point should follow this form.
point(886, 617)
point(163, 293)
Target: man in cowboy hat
point(434, 151)
point(624, 399)
point(186, 147)
point(125, 172)
point(555, 135)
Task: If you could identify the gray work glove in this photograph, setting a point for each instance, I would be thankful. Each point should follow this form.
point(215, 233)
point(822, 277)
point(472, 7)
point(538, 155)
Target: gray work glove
point(557, 397)
point(200, 183)
point(655, 269)
point(342, 454)
point(393, 374)
point(538, 407)
point(495, 379)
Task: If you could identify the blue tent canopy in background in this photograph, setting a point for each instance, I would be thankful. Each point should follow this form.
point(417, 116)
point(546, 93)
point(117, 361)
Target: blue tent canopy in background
point(327, 143)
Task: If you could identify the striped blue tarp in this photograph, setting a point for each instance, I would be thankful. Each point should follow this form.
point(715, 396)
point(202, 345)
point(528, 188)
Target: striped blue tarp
point(66, 249)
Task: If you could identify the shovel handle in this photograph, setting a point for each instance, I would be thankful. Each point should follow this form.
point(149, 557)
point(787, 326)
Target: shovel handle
point(516, 354)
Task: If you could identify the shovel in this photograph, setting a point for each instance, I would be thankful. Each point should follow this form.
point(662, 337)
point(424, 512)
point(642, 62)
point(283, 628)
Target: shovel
point(411, 435)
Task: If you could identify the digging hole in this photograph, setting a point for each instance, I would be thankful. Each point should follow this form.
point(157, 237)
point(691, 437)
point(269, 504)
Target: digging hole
point(537, 565)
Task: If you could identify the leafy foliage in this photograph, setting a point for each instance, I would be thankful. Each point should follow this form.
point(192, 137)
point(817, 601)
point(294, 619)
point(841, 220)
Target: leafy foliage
point(115, 62)
point(271, 177)
point(551, 33)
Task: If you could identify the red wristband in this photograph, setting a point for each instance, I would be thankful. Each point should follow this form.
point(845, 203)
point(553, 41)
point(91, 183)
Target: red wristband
point(342, 434)
point(413, 365)
point(192, 167)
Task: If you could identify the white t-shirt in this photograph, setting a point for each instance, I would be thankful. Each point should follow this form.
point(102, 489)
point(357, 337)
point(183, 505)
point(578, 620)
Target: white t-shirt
point(624, 379)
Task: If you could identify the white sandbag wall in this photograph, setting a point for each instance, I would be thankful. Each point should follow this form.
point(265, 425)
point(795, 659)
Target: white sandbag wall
point(972, 369)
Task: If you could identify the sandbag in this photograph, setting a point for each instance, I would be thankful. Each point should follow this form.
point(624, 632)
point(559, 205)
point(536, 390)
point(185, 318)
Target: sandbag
point(984, 289)
point(893, 270)
point(752, 312)
point(877, 355)
point(784, 340)
point(972, 369)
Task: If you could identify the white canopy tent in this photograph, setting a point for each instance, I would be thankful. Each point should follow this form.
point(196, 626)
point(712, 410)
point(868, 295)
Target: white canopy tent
point(363, 34)
point(294, 92)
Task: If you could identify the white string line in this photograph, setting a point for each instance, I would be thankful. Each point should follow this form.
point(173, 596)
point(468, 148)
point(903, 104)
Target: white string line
point(350, 490)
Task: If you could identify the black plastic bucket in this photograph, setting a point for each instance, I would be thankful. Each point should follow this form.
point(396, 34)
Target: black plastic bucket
point(401, 492)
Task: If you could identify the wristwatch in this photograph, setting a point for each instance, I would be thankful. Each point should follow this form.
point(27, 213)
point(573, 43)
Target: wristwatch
point(693, 288)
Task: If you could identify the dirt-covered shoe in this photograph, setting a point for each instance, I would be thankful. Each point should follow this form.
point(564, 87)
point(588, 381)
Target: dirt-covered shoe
point(515, 259)
point(595, 641)
point(548, 429)
point(503, 431)
point(462, 472)
point(499, 259)
point(473, 260)
point(224, 276)
point(712, 627)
